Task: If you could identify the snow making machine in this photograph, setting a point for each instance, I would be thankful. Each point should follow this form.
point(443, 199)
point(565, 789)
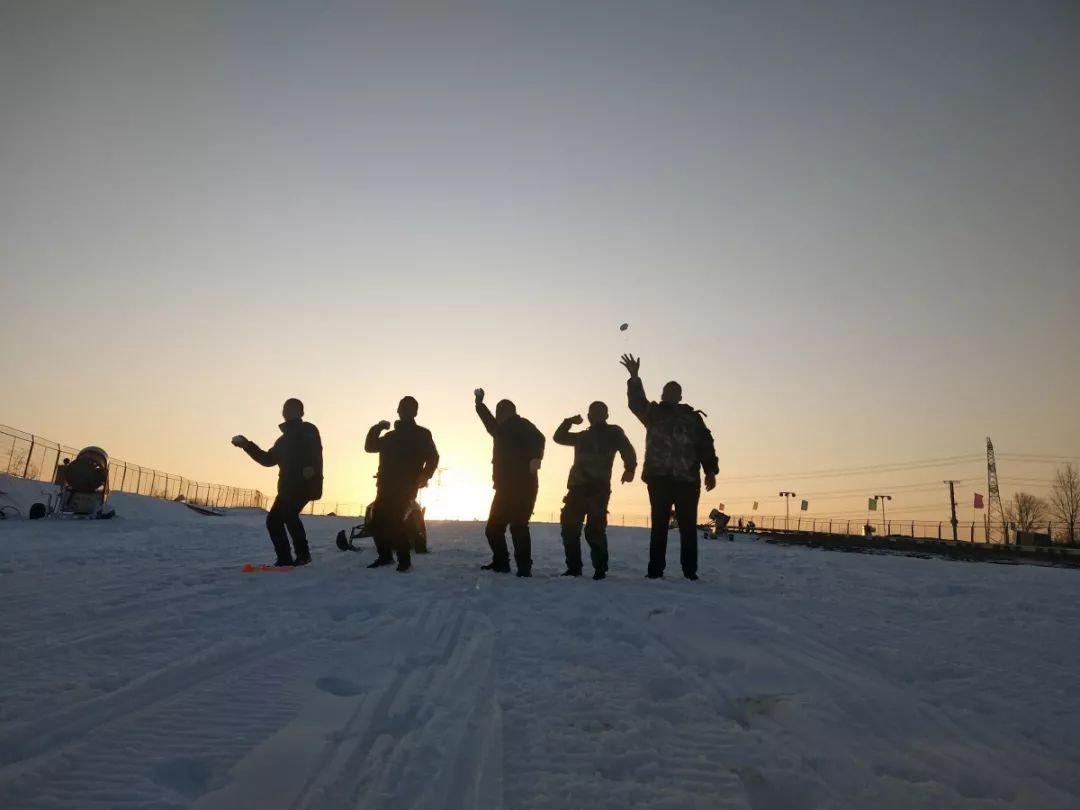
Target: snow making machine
point(84, 489)
point(718, 523)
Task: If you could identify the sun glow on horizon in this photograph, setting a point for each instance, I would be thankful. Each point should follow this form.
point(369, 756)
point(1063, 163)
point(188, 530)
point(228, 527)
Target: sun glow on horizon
point(456, 495)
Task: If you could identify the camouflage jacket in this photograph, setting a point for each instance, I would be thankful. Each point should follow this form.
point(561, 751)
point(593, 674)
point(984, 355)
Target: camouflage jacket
point(677, 442)
point(594, 452)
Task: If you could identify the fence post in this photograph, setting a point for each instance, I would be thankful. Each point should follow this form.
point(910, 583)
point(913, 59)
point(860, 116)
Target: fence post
point(813, 528)
point(888, 528)
point(913, 528)
point(29, 455)
point(939, 530)
point(847, 529)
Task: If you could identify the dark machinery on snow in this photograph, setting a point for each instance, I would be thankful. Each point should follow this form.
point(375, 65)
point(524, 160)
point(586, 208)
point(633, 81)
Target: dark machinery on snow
point(415, 528)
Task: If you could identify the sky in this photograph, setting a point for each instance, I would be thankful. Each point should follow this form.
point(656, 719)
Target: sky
point(849, 229)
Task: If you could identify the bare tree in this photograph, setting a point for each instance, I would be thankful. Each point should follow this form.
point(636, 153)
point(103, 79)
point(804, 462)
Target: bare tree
point(18, 466)
point(1026, 512)
point(17, 462)
point(1065, 499)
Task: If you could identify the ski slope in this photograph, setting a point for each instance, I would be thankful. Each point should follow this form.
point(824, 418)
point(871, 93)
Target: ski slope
point(139, 668)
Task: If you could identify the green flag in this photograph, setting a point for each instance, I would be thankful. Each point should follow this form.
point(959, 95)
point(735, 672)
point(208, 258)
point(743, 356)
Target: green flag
point(872, 504)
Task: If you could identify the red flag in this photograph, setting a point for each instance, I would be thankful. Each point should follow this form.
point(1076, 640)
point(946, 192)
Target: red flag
point(978, 501)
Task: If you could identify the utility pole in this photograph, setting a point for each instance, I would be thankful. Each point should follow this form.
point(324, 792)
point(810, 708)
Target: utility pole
point(881, 499)
point(952, 501)
point(787, 496)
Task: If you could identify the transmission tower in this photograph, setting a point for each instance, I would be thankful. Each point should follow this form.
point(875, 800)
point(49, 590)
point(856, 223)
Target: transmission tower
point(994, 508)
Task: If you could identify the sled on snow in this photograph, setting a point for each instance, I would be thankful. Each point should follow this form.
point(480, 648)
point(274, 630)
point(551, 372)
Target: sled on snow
point(415, 529)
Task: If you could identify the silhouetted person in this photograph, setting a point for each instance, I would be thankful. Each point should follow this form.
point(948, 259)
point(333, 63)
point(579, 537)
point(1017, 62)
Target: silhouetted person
point(60, 477)
point(407, 460)
point(298, 456)
point(678, 446)
point(519, 449)
point(588, 488)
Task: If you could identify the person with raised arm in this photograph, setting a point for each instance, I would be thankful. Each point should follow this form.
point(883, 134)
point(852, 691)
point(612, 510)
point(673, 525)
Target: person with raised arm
point(678, 447)
point(516, 457)
point(297, 454)
point(407, 461)
point(588, 489)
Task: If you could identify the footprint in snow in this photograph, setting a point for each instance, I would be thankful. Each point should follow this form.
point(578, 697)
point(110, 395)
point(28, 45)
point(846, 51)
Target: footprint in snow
point(190, 777)
point(752, 707)
point(339, 687)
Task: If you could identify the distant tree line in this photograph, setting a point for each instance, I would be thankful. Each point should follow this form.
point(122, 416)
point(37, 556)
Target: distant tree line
point(1060, 509)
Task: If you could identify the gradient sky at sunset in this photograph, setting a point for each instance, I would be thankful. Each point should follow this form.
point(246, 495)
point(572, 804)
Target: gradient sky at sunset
point(850, 229)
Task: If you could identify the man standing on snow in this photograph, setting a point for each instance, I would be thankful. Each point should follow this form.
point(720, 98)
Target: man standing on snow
point(678, 446)
point(407, 460)
point(589, 486)
point(518, 451)
point(298, 456)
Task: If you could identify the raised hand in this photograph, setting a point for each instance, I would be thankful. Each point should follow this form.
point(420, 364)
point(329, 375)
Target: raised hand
point(627, 476)
point(631, 364)
point(239, 441)
point(383, 425)
point(479, 394)
point(710, 482)
point(575, 420)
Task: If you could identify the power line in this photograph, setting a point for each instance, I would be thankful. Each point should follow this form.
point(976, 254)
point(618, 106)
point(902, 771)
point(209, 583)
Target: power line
point(837, 472)
point(1036, 458)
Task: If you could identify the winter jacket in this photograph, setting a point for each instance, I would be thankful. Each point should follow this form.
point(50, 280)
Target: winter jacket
point(517, 442)
point(594, 452)
point(298, 456)
point(407, 455)
point(677, 442)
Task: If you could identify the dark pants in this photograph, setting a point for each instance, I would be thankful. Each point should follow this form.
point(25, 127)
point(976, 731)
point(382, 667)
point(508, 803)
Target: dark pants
point(511, 506)
point(586, 504)
point(285, 514)
point(664, 493)
point(388, 525)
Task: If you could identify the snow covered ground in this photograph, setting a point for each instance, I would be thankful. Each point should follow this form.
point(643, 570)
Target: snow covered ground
point(140, 668)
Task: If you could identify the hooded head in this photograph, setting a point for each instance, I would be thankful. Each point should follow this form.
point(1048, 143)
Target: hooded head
point(672, 393)
point(292, 409)
point(598, 413)
point(505, 411)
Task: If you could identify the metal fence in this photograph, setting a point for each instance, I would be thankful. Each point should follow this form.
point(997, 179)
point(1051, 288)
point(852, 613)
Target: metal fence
point(966, 531)
point(25, 455)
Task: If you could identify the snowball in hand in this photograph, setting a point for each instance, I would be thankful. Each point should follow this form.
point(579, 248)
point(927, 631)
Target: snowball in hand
point(237, 440)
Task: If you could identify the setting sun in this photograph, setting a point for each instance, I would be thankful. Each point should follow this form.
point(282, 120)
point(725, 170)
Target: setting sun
point(456, 495)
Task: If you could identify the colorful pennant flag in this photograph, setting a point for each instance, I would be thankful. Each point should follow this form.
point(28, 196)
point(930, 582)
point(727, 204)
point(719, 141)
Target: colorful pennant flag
point(978, 501)
point(871, 504)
